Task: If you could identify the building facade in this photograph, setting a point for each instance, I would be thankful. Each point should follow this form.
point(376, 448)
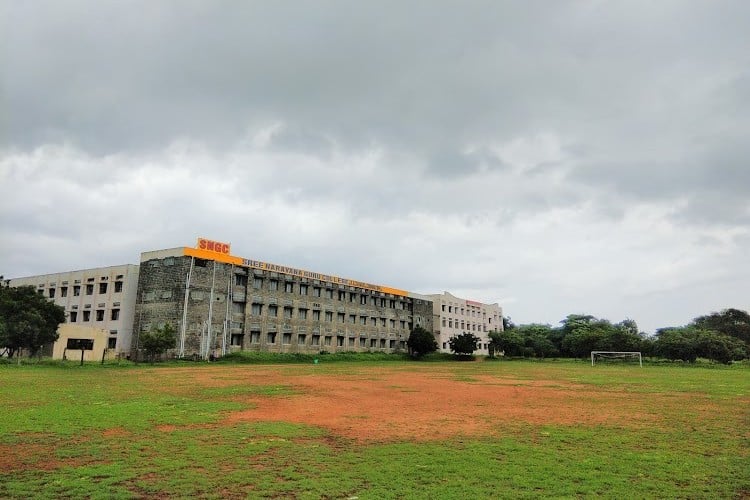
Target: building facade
point(220, 303)
point(100, 300)
point(454, 316)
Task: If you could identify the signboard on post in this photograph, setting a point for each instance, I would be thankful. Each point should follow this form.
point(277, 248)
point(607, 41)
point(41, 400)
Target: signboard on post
point(81, 344)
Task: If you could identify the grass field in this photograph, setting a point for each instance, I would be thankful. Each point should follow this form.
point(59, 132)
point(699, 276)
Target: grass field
point(493, 429)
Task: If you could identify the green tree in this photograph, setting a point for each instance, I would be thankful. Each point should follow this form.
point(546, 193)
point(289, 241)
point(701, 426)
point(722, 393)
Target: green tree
point(27, 319)
point(158, 340)
point(732, 322)
point(507, 342)
point(421, 342)
point(464, 344)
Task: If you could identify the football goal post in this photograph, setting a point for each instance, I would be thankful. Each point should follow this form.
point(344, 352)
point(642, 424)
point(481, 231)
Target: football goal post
point(616, 355)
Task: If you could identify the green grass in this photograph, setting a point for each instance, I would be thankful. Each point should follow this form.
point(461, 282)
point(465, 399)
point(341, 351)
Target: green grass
point(148, 431)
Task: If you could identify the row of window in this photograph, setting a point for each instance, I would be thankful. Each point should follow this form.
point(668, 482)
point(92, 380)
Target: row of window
point(315, 315)
point(468, 326)
point(327, 293)
point(89, 289)
point(480, 347)
point(86, 315)
point(469, 312)
point(319, 340)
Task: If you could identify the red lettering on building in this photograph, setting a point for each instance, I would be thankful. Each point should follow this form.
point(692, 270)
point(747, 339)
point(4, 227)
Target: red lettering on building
point(213, 246)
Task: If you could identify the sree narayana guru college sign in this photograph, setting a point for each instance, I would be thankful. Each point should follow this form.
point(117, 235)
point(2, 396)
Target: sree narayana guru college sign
point(221, 252)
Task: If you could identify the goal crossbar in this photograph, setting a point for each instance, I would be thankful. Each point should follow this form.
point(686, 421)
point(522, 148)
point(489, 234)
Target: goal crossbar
point(617, 354)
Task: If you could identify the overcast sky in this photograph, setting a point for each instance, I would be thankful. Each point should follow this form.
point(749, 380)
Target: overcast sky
point(554, 157)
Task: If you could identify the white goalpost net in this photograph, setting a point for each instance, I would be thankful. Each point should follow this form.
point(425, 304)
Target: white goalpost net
point(616, 355)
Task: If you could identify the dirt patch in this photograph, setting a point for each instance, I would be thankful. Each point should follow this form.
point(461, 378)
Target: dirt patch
point(386, 405)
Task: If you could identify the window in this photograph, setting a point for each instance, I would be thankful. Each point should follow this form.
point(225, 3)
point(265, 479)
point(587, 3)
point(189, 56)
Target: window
point(393, 323)
point(51, 293)
point(329, 316)
point(240, 280)
point(257, 283)
point(316, 291)
point(89, 289)
point(342, 296)
point(392, 304)
point(254, 337)
point(403, 324)
point(329, 293)
point(73, 316)
point(118, 286)
point(382, 302)
point(286, 338)
point(352, 297)
point(237, 308)
point(443, 307)
point(351, 341)
point(316, 316)
point(450, 309)
point(102, 288)
point(373, 342)
point(382, 321)
point(77, 290)
point(236, 339)
point(362, 342)
point(352, 318)
point(363, 320)
point(100, 314)
point(86, 315)
point(273, 310)
point(112, 343)
point(301, 338)
point(302, 313)
point(363, 300)
point(256, 309)
point(64, 291)
point(271, 337)
point(341, 317)
point(374, 321)
point(315, 340)
point(443, 321)
point(382, 343)
point(289, 287)
point(327, 340)
point(303, 289)
point(273, 285)
point(340, 341)
point(392, 344)
point(288, 313)
point(115, 314)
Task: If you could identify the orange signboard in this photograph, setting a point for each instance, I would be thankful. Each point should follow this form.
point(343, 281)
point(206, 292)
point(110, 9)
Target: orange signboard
point(213, 246)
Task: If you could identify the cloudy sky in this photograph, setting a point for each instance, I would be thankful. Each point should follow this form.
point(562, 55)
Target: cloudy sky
point(555, 157)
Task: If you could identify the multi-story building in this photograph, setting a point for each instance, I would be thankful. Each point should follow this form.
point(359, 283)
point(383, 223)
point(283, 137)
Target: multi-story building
point(218, 302)
point(99, 303)
point(454, 316)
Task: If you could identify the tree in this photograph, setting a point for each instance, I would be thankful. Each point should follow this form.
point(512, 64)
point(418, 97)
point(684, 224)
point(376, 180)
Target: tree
point(464, 344)
point(158, 340)
point(732, 322)
point(507, 342)
point(27, 319)
point(421, 342)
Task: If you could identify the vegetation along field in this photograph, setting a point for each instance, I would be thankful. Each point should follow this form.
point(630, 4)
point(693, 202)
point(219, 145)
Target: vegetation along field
point(515, 429)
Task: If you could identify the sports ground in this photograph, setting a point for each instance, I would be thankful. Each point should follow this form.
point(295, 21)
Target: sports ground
point(492, 429)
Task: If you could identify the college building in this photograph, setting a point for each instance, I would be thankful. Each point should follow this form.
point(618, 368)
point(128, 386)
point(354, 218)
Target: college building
point(218, 303)
point(99, 306)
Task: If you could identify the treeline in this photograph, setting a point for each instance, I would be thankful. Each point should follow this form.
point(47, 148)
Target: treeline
point(721, 336)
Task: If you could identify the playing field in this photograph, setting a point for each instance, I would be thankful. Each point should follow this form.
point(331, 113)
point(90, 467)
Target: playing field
point(493, 429)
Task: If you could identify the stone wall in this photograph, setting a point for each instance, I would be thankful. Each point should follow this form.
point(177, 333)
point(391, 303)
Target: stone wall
point(270, 311)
